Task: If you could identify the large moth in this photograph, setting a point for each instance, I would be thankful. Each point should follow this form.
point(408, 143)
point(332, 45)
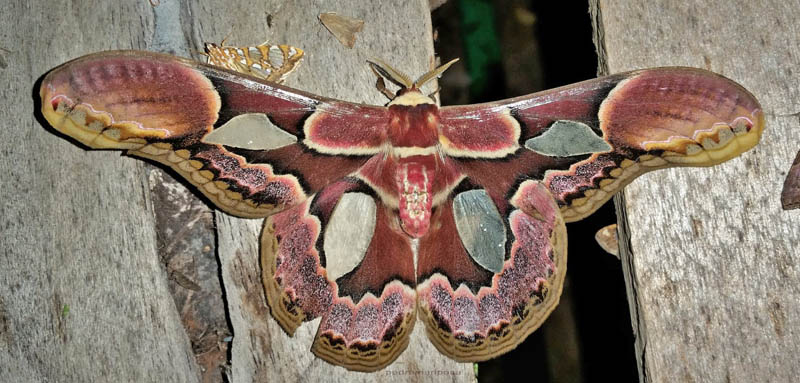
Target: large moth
point(453, 215)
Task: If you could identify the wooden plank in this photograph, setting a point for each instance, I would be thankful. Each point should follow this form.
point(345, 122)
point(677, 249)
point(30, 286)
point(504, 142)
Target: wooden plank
point(712, 266)
point(400, 35)
point(83, 295)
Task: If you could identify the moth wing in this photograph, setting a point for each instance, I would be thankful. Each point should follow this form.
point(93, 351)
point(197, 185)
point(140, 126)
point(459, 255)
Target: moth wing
point(365, 296)
point(491, 268)
point(586, 141)
point(252, 147)
point(486, 281)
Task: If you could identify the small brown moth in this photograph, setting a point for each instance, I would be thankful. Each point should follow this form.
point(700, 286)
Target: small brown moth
point(790, 196)
point(342, 27)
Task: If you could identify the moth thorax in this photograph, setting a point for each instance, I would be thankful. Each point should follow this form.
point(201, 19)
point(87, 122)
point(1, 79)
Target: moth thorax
point(411, 97)
point(414, 126)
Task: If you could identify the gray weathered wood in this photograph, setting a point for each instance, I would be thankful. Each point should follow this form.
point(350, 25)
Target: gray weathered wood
point(712, 266)
point(83, 295)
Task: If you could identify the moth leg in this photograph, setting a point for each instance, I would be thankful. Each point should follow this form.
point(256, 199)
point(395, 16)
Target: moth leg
point(435, 92)
point(380, 84)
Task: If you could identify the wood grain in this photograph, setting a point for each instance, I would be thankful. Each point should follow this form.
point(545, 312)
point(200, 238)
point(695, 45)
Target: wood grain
point(712, 261)
point(83, 293)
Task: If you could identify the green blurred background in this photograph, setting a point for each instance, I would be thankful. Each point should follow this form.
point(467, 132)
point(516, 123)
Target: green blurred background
point(510, 48)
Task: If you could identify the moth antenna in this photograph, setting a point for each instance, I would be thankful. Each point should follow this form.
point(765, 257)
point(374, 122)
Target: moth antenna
point(224, 39)
point(391, 74)
point(433, 74)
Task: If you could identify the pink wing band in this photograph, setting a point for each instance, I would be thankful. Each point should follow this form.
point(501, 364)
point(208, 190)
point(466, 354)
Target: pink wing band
point(161, 107)
point(367, 314)
point(472, 314)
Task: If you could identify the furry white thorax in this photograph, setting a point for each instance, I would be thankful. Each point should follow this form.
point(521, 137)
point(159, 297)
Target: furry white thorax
point(412, 98)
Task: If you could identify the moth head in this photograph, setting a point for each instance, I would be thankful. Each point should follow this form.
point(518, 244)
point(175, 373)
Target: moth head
point(409, 92)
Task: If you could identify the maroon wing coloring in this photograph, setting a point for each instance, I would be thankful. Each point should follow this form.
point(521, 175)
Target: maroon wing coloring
point(377, 215)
